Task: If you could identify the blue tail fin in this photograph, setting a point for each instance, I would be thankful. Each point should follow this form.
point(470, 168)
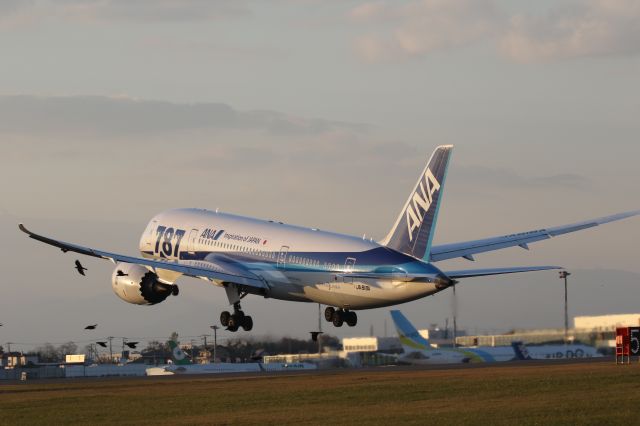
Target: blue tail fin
point(413, 231)
point(520, 350)
point(410, 338)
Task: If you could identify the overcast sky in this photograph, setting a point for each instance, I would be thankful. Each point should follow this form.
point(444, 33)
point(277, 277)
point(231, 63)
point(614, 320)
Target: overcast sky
point(319, 113)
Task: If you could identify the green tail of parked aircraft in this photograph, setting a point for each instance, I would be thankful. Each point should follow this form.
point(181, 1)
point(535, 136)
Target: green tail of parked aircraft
point(177, 355)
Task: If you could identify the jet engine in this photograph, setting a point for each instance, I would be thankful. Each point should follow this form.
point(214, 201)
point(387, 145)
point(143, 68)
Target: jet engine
point(138, 285)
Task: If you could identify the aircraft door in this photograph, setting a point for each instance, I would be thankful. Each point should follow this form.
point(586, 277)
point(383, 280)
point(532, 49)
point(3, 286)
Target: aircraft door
point(348, 264)
point(282, 256)
point(348, 268)
point(149, 236)
point(191, 243)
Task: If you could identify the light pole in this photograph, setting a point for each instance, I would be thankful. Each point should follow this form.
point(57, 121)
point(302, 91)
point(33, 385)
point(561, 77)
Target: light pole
point(455, 313)
point(110, 350)
point(206, 349)
point(563, 275)
point(215, 340)
point(9, 355)
point(193, 346)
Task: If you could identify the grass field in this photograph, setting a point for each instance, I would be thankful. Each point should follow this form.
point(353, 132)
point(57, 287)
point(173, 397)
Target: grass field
point(583, 393)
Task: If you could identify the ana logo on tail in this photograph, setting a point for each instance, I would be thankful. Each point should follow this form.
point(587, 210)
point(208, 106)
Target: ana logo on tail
point(421, 199)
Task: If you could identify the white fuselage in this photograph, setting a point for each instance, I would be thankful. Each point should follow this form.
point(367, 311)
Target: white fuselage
point(458, 355)
point(295, 263)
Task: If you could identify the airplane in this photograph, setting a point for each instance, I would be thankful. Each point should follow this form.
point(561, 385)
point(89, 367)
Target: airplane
point(271, 259)
point(418, 350)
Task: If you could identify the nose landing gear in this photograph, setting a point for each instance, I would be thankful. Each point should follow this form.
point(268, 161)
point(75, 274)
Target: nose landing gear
point(340, 316)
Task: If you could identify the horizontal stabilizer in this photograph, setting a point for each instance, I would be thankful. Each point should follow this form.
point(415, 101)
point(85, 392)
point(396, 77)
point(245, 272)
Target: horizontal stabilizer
point(468, 273)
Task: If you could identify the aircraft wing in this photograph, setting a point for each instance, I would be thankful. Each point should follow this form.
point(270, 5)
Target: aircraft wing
point(197, 269)
point(468, 248)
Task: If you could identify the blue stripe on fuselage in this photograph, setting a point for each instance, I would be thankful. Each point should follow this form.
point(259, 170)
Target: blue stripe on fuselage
point(377, 260)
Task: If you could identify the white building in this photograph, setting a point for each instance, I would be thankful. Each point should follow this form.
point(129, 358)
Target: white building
point(17, 359)
point(371, 344)
point(606, 322)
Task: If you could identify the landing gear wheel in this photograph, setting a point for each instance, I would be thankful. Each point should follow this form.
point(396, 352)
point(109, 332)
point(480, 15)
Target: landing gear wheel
point(328, 313)
point(224, 318)
point(247, 323)
point(175, 290)
point(351, 318)
point(235, 321)
point(338, 318)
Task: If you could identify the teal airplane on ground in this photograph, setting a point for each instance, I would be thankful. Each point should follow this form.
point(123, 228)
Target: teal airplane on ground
point(418, 350)
point(267, 258)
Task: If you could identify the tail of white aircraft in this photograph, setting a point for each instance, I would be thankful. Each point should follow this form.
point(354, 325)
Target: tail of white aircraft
point(410, 338)
point(413, 231)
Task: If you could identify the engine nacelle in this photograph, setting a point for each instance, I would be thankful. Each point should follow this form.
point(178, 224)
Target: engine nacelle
point(138, 285)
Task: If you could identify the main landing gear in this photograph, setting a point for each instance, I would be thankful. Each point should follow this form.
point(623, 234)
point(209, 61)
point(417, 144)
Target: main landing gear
point(236, 320)
point(338, 317)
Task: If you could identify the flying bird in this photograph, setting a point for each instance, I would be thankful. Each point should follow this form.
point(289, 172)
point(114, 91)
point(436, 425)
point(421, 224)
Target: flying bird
point(131, 345)
point(103, 344)
point(80, 268)
point(91, 327)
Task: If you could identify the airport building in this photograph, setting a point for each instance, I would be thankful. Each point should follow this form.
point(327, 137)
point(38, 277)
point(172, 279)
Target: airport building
point(526, 336)
point(606, 322)
point(391, 345)
point(598, 330)
point(17, 359)
point(371, 344)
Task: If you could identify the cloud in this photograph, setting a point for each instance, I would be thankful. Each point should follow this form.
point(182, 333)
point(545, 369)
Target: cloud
point(101, 115)
point(590, 28)
point(509, 179)
point(421, 27)
point(404, 30)
point(15, 13)
point(167, 10)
